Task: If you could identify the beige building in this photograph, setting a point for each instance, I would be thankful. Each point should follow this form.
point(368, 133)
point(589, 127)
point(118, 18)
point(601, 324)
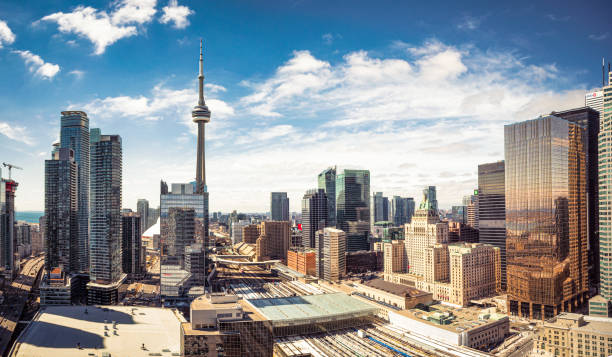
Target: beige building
point(401, 296)
point(250, 233)
point(575, 335)
point(273, 241)
point(455, 273)
point(394, 257)
point(330, 249)
point(423, 231)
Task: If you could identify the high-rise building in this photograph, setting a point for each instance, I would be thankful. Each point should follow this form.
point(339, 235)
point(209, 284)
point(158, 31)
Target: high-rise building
point(546, 216)
point(314, 215)
point(105, 272)
point(424, 231)
point(279, 206)
point(602, 305)
point(195, 264)
point(589, 119)
point(430, 193)
point(236, 231)
point(471, 210)
point(492, 209)
point(353, 207)
point(459, 214)
point(380, 208)
point(250, 233)
point(7, 226)
point(153, 216)
point(132, 251)
point(330, 249)
point(460, 232)
point(394, 257)
point(402, 210)
point(142, 207)
point(61, 212)
point(327, 181)
point(181, 233)
point(74, 135)
point(595, 100)
point(201, 115)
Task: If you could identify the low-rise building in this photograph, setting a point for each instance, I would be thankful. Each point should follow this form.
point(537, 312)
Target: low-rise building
point(55, 288)
point(575, 335)
point(302, 260)
point(474, 328)
point(396, 295)
point(363, 261)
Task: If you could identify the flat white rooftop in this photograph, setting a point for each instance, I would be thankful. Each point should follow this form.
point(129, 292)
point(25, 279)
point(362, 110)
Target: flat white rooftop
point(57, 330)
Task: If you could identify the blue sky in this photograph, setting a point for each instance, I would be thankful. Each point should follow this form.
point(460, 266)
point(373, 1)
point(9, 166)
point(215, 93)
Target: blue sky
point(417, 92)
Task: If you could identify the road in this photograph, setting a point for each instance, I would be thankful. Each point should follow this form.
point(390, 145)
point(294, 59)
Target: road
point(15, 298)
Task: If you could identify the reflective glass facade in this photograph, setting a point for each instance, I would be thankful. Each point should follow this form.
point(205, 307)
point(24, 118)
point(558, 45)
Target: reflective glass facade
point(353, 205)
point(279, 206)
point(314, 215)
point(327, 181)
point(492, 209)
point(546, 216)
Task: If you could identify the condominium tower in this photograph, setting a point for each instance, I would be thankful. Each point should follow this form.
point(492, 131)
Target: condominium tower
point(314, 215)
point(74, 134)
point(330, 249)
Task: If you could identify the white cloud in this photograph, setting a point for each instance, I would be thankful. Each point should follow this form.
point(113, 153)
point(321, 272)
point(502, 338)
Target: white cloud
point(104, 28)
point(7, 36)
point(214, 88)
point(176, 14)
point(78, 74)
point(162, 103)
point(469, 23)
point(37, 66)
point(599, 37)
point(17, 133)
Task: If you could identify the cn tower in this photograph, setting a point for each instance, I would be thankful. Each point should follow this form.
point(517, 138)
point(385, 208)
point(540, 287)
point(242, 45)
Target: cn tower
point(201, 116)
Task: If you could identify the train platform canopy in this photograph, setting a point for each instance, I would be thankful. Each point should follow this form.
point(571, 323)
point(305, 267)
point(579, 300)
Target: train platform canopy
point(296, 310)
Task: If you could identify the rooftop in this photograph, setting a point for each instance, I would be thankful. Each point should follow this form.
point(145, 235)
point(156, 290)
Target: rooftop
point(456, 319)
point(57, 330)
point(311, 307)
point(600, 325)
point(395, 289)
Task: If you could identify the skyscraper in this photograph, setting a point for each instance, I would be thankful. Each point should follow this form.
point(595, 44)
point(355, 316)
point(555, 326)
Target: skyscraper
point(595, 100)
point(492, 209)
point(74, 134)
point(201, 116)
point(380, 208)
point(353, 207)
point(279, 206)
point(430, 193)
point(61, 212)
point(601, 305)
point(105, 272)
point(546, 216)
point(402, 210)
point(142, 207)
point(589, 119)
point(7, 226)
point(314, 215)
point(132, 252)
point(327, 181)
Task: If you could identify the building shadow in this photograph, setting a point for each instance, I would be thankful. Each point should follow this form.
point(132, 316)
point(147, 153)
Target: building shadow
point(48, 335)
point(93, 313)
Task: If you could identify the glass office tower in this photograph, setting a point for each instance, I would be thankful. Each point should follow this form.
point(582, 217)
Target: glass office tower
point(279, 206)
point(353, 207)
point(327, 181)
point(74, 134)
point(314, 215)
point(492, 209)
point(546, 216)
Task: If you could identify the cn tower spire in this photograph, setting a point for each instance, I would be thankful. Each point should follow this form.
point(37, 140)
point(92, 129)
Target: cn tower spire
point(201, 115)
point(201, 77)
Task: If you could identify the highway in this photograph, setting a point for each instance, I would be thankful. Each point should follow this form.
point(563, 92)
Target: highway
point(15, 297)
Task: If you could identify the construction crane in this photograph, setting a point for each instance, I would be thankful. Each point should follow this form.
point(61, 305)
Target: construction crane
point(10, 167)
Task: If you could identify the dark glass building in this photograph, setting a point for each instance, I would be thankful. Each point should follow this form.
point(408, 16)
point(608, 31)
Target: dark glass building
point(279, 206)
point(402, 210)
point(61, 212)
point(7, 227)
point(353, 208)
point(132, 252)
point(589, 119)
point(327, 181)
point(314, 215)
point(546, 216)
point(142, 207)
point(492, 209)
point(380, 208)
point(74, 134)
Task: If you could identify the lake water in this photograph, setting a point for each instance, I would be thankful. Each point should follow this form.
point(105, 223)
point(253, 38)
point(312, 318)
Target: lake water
point(29, 216)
